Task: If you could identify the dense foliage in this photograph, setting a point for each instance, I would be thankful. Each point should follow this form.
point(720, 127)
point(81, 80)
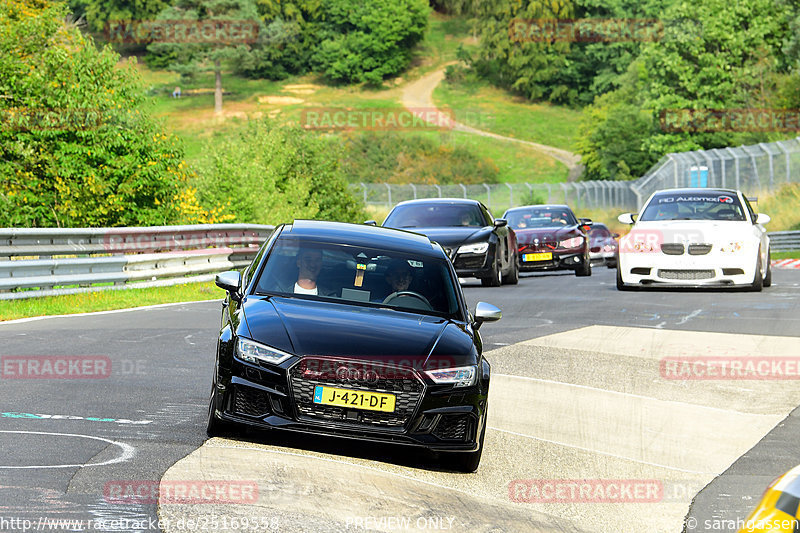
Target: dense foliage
point(76, 146)
point(732, 60)
point(269, 174)
point(390, 157)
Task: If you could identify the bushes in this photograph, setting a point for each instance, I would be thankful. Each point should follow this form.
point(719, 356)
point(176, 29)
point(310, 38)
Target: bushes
point(269, 174)
point(390, 157)
point(76, 146)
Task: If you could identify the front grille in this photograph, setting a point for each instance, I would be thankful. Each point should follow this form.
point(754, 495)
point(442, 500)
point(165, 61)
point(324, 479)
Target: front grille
point(699, 249)
point(672, 249)
point(249, 401)
point(686, 275)
point(469, 262)
point(452, 427)
point(405, 385)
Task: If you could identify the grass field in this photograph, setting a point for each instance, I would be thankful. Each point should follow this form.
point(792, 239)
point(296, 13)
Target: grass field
point(506, 114)
point(107, 300)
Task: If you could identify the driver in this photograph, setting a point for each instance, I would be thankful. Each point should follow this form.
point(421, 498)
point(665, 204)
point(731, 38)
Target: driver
point(398, 277)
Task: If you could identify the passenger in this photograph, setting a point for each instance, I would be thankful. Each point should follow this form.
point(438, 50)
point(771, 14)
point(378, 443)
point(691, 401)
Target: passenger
point(309, 265)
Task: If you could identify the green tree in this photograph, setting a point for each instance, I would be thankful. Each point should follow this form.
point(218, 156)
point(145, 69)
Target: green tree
point(100, 12)
point(77, 147)
point(368, 41)
point(269, 174)
point(733, 59)
point(190, 57)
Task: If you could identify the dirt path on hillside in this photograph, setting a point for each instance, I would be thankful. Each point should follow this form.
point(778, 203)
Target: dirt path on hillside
point(419, 94)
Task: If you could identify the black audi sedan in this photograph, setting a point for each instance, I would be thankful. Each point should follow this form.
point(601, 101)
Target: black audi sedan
point(551, 237)
point(479, 245)
point(353, 331)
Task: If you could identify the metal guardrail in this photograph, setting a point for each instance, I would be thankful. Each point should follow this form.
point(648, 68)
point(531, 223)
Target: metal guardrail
point(47, 261)
point(784, 241)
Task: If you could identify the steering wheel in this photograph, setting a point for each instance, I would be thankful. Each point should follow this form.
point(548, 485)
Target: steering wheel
point(415, 300)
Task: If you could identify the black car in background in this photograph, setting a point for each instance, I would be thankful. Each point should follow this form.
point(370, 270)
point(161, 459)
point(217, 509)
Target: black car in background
point(353, 331)
point(479, 245)
point(551, 237)
point(603, 245)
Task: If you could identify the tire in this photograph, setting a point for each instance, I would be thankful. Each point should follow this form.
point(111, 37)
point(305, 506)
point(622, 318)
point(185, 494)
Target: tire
point(620, 284)
point(768, 275)
point(214, 426)
point(496, 279)
point(758, 279)
point(585, 269)
point(468, 462)
point(512, 278)
point(611, 264)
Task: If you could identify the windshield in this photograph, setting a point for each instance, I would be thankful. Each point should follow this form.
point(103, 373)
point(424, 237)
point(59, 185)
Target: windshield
point(694, 206)
point(540, 217)
point(435, 215)
point(300, 268)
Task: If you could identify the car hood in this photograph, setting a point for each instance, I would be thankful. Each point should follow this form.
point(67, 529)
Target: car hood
point(452, 236)
point(698, 231)
point(556, 233)
point(311, 327)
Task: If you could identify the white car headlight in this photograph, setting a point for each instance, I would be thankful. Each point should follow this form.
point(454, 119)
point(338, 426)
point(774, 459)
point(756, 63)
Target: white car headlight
point(253, 352)
point(477, 248)
point(464, 376)
point(731, 247)
point(571, 243)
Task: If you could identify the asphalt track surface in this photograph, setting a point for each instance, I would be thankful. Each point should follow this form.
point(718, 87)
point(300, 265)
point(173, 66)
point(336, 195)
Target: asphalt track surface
point(576, 394)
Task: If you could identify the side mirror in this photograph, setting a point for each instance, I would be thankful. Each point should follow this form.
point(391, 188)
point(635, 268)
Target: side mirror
point(762, 218)
point(486, 313)
point(229, 281)
point(370, 223)
point(626, 218)
point(500, 222)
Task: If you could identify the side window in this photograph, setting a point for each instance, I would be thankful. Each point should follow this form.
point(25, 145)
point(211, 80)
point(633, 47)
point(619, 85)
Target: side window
point(750, 210)
point(249, 270)
point(489, 219)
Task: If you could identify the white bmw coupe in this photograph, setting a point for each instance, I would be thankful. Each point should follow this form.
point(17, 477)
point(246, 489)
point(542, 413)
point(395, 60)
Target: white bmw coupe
point(695, 237)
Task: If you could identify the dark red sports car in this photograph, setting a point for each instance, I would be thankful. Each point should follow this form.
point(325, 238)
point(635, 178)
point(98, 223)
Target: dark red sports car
point(551, 237)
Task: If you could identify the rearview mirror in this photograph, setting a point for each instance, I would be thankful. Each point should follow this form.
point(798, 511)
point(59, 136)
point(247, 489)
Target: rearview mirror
point(229, 281)
point(500, 222)
point(762, 218)
point(486, 313)
point(626, 218)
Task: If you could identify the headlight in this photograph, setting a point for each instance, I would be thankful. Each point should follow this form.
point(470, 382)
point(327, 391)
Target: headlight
point(459, 377)
point(253, 352)
point(571, 243)
point(477, 248)
point(731, 247)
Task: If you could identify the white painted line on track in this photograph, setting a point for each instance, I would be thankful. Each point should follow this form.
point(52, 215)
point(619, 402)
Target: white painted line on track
point(128, 451)
point(110, 312)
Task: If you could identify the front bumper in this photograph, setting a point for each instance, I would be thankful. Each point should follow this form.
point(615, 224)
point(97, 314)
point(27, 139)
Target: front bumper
point(474, 265)
point(427, 415)
point(570, 259)
point(689, 271)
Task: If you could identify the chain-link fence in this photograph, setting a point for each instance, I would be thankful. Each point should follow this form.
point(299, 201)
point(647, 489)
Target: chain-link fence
point(753, 168)
point(500, 196)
